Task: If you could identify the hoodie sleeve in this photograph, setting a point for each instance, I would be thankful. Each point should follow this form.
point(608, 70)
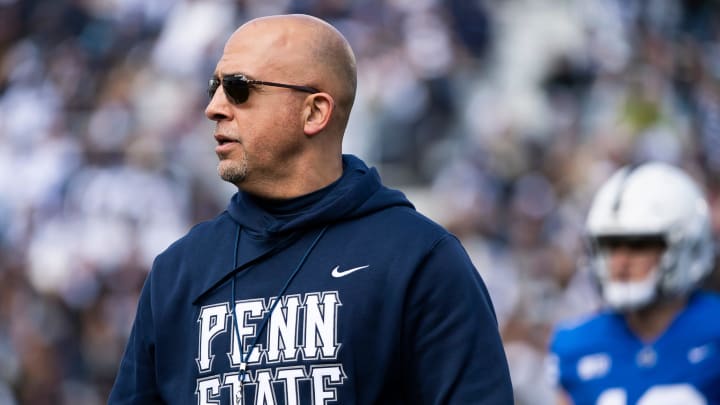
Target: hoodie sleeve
point(455, 355)
point(135, 382)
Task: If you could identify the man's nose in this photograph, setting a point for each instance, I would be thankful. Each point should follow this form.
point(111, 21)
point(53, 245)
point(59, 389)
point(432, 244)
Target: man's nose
point(619, 259)
point(218, 108)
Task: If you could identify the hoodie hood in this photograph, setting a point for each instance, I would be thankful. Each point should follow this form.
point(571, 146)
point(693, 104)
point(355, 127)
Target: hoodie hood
point(358, 192)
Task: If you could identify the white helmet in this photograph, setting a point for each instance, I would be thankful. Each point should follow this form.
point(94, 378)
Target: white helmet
point(654, 200)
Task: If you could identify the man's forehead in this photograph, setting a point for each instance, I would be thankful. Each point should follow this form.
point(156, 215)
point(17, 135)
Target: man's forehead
point(260, 54)
point(247, 62)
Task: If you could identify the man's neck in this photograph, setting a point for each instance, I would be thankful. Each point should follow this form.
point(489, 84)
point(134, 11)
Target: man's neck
point(650, 322)
point(298, 178)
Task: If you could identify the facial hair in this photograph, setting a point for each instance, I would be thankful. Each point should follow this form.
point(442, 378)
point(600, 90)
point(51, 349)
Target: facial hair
point(233, 171)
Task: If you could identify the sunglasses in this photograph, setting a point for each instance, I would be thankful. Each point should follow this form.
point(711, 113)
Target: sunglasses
point(237, 87)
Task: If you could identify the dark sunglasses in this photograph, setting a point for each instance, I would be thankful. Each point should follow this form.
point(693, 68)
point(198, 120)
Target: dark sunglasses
point(237, 87)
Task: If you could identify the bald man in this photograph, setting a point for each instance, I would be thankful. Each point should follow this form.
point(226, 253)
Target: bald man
point(317, 285)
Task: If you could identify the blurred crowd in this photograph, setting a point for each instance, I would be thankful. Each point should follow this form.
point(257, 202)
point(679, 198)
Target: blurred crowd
point(498, 118)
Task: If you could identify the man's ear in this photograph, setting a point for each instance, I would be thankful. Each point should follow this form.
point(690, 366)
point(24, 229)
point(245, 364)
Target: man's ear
point(317, 112)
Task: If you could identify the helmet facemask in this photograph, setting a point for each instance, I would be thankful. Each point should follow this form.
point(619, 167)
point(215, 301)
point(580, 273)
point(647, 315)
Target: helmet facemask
point(628, 295)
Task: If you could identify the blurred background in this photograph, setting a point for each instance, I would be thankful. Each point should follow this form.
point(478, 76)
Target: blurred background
point(498, 118)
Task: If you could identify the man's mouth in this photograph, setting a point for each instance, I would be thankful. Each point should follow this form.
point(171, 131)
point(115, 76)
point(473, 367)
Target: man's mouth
point(222, 139)
point(225, 145)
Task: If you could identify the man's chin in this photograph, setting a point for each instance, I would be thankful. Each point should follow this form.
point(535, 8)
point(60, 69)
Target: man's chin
point(232, 172)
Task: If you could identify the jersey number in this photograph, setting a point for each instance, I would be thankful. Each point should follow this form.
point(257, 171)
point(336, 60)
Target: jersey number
point(658, 395)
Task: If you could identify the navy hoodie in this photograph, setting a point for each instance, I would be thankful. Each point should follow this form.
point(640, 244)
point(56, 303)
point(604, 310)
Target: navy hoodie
point(378, 305)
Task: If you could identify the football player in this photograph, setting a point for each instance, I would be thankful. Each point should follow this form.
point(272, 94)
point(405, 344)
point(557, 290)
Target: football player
point(658, 341)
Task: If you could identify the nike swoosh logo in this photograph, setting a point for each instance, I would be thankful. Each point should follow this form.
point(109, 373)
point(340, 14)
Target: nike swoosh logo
point(337, 273)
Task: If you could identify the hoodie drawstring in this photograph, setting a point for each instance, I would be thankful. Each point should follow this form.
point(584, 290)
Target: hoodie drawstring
point(246, 357)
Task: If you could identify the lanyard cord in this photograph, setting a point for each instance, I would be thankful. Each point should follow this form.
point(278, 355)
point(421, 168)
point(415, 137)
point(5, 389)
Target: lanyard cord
point(246, 357)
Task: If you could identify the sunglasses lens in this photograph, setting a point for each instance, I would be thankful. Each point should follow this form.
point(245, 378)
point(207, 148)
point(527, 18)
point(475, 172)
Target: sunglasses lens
point(236, 89)
point(213, 84)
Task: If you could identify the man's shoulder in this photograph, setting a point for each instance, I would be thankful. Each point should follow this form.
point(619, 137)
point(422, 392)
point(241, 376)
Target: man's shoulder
point(406, 220)
point(400, 228)
point(703, 305)
point(584, 333)
point(706, 300)
point(203, 248)
point(201, 234)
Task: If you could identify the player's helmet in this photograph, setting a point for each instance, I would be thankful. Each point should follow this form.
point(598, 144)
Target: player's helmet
point(654, 200)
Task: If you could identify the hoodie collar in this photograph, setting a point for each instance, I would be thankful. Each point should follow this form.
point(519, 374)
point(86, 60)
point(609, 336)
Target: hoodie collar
point(346, 198)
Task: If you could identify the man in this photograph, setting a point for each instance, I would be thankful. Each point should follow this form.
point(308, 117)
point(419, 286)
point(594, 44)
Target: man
point(659, 341)
point(317, 285)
